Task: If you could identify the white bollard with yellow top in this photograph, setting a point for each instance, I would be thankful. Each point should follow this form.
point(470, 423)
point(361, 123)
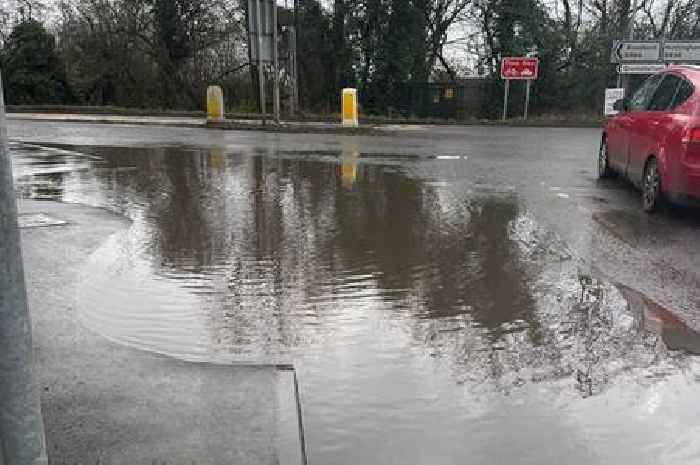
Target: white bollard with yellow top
point(349, 108)
point(215, 104)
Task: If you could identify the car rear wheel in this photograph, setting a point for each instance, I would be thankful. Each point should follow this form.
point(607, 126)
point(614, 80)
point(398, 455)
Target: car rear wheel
point(651, 187)
point(604, 170)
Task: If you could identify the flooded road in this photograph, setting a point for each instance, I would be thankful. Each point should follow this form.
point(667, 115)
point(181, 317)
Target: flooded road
point(433, 313)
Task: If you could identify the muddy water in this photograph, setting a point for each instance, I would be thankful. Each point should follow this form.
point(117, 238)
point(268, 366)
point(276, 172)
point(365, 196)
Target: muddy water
point(431, 317)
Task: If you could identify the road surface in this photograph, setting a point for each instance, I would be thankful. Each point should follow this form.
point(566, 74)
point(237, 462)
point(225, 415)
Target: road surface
point(446, 292)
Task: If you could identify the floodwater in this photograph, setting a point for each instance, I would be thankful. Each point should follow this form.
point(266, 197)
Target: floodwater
point(431, 320)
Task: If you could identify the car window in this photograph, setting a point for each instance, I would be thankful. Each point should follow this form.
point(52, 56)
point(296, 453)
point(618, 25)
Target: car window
point(683, 93)
point(642, 96)
point(663, 96)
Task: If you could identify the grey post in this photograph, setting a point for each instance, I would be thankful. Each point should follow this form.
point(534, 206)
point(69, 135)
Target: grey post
point(295, 72)
point(633, 13)
point(261, 77)
point(505, 99)
point(527, 97)
point(275, 67)
point(21, 427)
point(630, 35)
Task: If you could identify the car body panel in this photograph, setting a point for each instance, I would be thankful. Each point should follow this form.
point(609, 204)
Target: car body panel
point(643, 135)
point(617, 139)
point(634, 136)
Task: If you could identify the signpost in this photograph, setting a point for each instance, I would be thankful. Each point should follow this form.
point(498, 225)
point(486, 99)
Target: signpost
point(682, 51)
point(518, 69)
point(651, 56)
point(641, 68)
point(275, 65)
point(635, 51)
point(634, 55)
point(262, 40)
point(612, 96)
point(260, 29)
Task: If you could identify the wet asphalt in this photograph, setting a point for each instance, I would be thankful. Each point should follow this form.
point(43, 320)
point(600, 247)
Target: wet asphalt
point(446, 292)
point(552, 169)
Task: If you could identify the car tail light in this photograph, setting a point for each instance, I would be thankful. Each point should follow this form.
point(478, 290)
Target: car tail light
point(692, 136)
point(692, 150)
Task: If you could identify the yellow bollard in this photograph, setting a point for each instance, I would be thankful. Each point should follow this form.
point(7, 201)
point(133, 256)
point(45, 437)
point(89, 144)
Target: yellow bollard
point(349, 108)
point(215, 103)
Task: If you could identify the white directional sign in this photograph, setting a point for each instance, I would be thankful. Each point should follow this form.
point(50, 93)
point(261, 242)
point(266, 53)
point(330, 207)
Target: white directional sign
point(641, 68)
point(612, 96)
point(635, 51)
point(685, 51)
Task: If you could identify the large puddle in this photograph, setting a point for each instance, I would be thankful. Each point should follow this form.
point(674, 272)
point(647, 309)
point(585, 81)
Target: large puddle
point(432, 318)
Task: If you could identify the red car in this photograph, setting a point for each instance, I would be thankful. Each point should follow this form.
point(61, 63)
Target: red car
point(654, 140)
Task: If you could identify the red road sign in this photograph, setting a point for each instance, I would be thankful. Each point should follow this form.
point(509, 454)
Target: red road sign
point(521, 68)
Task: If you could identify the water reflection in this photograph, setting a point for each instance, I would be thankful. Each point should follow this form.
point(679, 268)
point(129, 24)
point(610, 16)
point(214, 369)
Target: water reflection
point(400, 291)
point(348, 166)
point(276, 253)
point(40, 172)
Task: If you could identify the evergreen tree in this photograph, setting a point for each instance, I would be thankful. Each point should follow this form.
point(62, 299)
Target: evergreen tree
point(32, 70)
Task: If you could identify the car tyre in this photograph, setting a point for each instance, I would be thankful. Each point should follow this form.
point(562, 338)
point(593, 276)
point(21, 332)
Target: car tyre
point(604, 170)
point(651, 187)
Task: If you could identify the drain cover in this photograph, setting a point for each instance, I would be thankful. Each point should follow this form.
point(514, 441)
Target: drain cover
point(38, 220)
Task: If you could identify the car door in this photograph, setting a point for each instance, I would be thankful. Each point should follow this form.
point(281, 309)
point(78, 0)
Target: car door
point(618, 142)
point(616, 137)
point(681, 116)
point(649, 129)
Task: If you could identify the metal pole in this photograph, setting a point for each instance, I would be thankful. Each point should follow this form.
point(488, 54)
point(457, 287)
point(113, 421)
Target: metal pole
point(292, 65)
point(261, 77)
point(663, 43)
point(630, 32)
point(296, 60)
point(275, 58)
point(505, 99)
point(630, 36)
point(22, 439)
point(527, 98)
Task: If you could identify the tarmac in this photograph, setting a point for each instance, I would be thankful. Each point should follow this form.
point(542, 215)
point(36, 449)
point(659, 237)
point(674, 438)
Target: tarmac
point(378, 390)
point(105, 403)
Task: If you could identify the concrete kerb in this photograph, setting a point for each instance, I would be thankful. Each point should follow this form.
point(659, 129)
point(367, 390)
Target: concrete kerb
point(377, 127)
point(297, 128)
point(232, 125)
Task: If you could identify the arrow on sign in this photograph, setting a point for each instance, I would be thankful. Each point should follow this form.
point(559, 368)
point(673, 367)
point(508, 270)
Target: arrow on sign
point(618, 50)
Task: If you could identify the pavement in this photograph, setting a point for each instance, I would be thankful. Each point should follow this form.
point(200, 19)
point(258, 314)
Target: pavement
point(110, 119)
point(375, 127)
point(187, 122)
point(110, 404)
